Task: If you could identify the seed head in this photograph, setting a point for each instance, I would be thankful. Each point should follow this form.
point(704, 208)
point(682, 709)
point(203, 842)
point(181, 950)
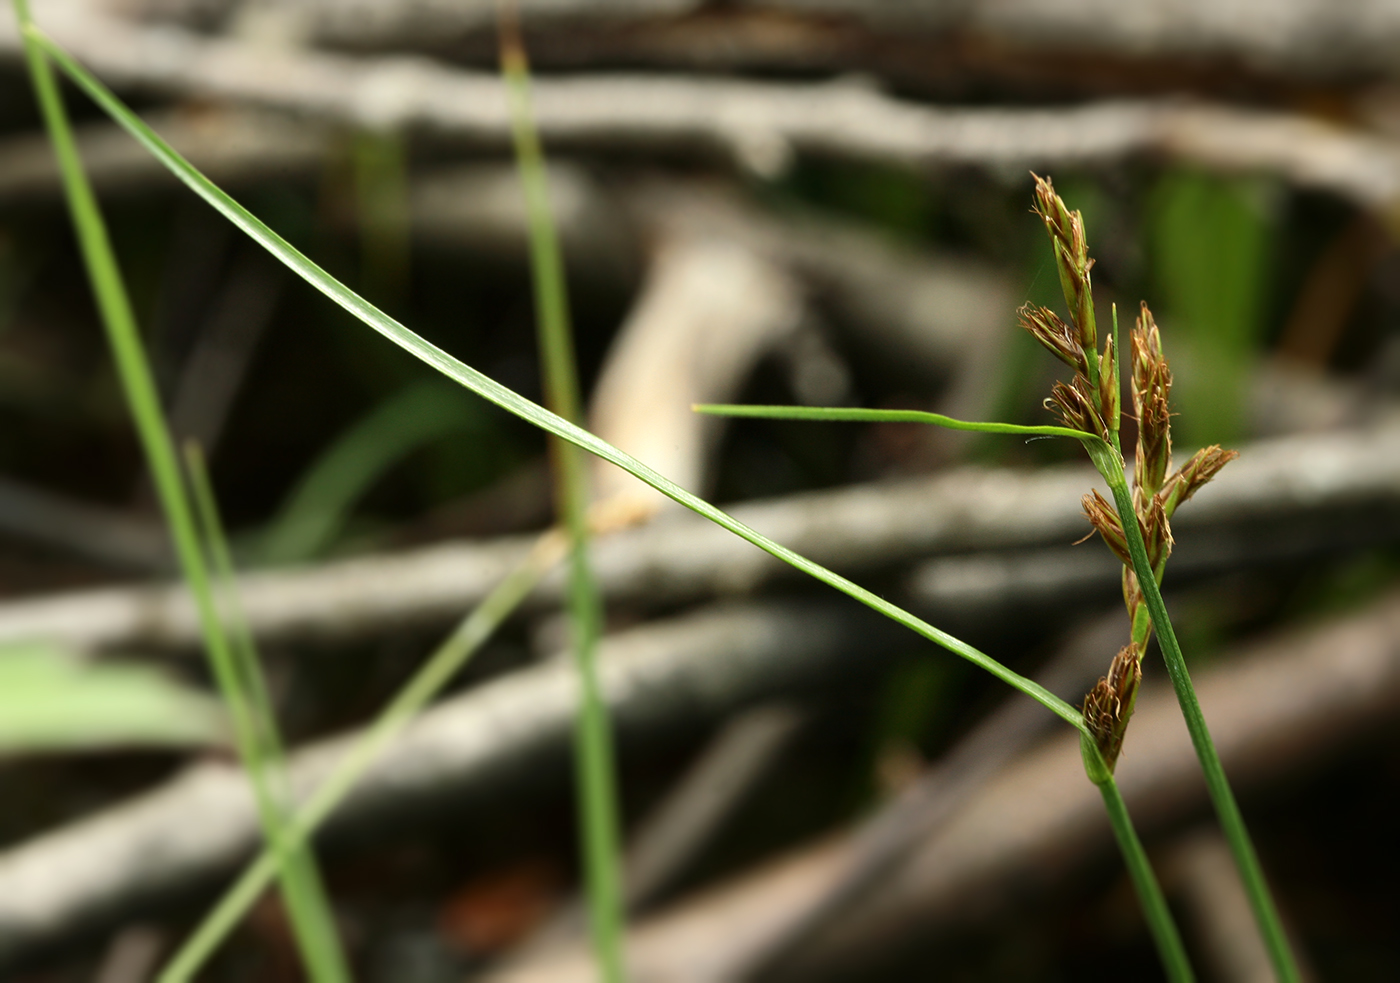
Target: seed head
point(1109, 705)
point(1071, 248)
point(1057, 336)
point(1109, 394)
point(1156, 530)
point(1204, 465)
point(1077, 406)
point(1132, 596)
point(1104, 519)
point(1152, 384)
point(1156, 533)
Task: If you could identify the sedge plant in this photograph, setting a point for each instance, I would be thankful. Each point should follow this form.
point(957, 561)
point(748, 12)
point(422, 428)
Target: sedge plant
point(594, 766)
point(261, 873)
point(1090, 404)
point(239, 679)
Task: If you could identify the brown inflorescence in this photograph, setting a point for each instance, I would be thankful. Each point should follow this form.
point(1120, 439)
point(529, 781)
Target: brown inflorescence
point(1152, 384)
point(1089, 402)
point(1109, 705)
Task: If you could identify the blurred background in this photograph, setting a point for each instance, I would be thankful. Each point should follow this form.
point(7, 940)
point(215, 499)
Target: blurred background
point(823, 202)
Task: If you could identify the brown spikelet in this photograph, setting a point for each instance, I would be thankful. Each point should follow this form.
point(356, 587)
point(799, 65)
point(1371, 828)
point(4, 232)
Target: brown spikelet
point(1152, 383)
point(1053, 333)
point(1104, 519)
point(1204, 465)
point(1109, 705)
point(1071, 248)
point(1108, 394)
point(1074, 405)
point(1156, 533)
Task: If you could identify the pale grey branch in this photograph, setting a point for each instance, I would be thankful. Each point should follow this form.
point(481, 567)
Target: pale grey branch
point(757, 123)
point(857, 529)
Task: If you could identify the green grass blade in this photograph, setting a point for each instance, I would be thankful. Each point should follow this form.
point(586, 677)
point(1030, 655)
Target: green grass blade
point(1155, 910)
point(1154, 905)
point(594, 760)
point(509, 400)
point(308, 907)
point(859, 415)
point(134, 371)
point(444, 663)
point(235, 624)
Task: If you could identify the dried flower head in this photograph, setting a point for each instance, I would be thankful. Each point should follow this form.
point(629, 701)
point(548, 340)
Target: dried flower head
point(1071, 248)
point(1077, 406)
point(1204, 465)
point(1152, 384)
point(1090, 402)
point(1109, 396)
point(1109, 705)
point(1058, 337)
point(1104, 518)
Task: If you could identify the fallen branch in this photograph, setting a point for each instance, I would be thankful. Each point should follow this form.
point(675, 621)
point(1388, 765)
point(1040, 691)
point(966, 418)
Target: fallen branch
point(663, 678)
point(1281, 35)
point(1276, 709)
point(761, 124)
point(855, 529)
point(708, 311)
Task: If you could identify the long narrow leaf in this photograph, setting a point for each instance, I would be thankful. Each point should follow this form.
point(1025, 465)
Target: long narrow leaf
point(859, 415)
point(509, 400)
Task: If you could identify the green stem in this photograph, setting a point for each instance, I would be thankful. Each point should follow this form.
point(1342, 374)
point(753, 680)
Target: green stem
point(1221, 795)
point(321, 953)
point(1149, 892)
point(596, 780)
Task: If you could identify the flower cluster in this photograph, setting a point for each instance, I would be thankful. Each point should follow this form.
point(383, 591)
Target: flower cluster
point(1090, 402)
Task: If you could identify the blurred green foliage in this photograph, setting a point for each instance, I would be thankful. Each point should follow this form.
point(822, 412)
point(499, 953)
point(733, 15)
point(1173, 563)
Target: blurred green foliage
point(422, 414)
point(50, 699)
point(1208, 238)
